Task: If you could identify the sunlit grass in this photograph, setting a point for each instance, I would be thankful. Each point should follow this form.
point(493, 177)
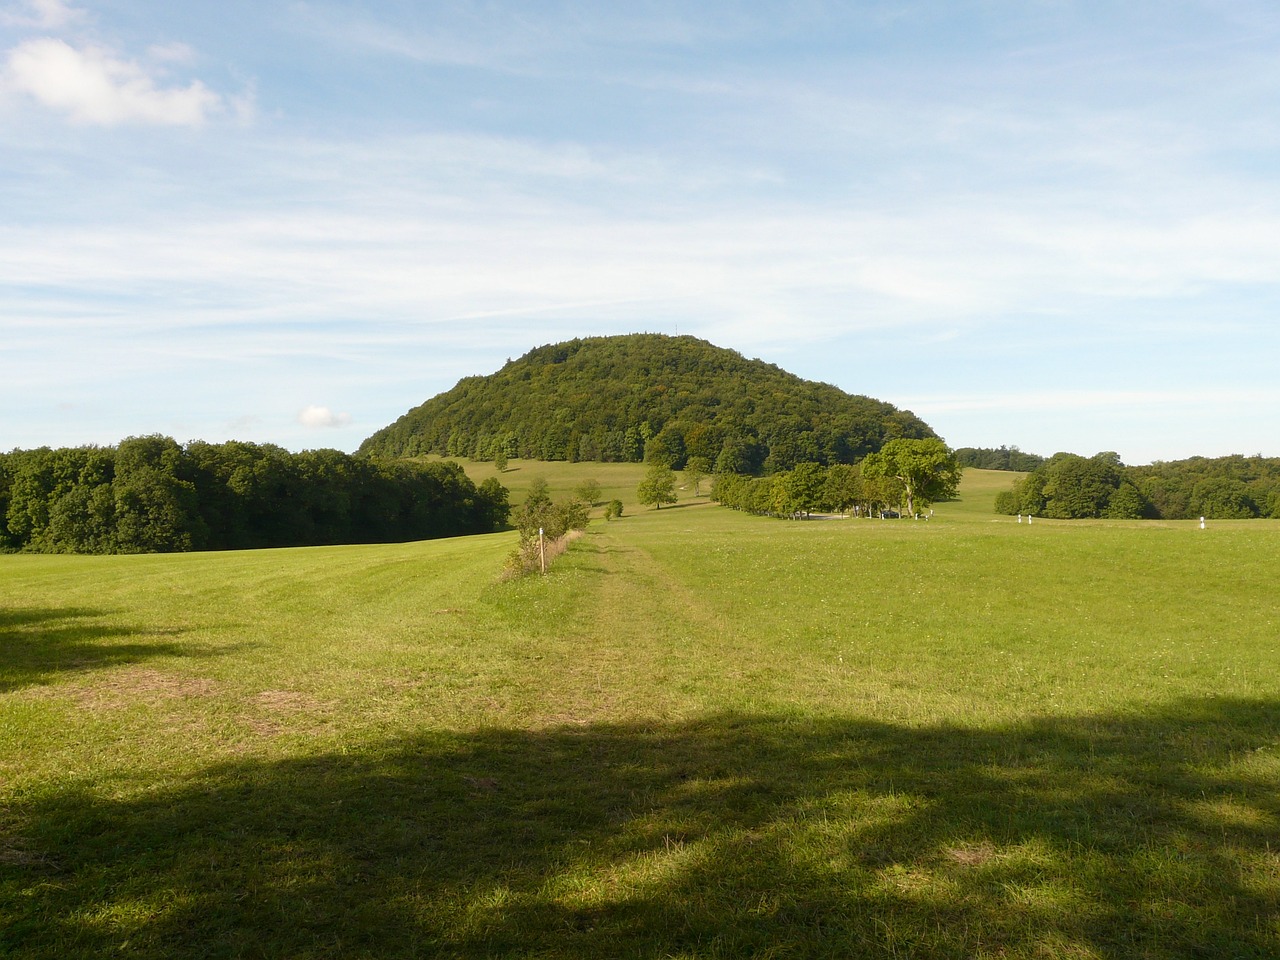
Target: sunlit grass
point(702, 735)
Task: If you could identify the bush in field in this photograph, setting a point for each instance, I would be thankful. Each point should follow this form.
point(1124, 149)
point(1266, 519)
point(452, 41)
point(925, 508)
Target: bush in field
point(546, 527)
point(1007, 502)
point(613, 510)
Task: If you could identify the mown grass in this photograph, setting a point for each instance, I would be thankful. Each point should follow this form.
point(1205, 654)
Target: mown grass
point(702, 735)
point(618, 481)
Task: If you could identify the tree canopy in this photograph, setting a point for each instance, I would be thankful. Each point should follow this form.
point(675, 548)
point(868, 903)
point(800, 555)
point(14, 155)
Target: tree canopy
point(658, 486)
point(926, 469)
point(647, 397)
point(998, 458)
point(869, 489)
point(149, 494)
point(1069, 486)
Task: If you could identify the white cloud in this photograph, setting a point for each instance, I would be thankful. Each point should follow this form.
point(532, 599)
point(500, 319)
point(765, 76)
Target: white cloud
point(322, 418)
point(93, 86)
point(45, 14)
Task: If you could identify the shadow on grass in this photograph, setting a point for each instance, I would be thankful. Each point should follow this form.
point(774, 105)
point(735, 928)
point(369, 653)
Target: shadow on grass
point(680, 506)
point(730, 836)
point(36, 644)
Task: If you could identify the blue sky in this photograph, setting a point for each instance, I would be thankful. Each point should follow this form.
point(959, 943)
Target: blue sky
point(1042, 223)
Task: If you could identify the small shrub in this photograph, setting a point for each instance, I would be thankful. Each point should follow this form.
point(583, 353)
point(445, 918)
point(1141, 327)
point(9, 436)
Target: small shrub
point(613, 510)
point(527, 558)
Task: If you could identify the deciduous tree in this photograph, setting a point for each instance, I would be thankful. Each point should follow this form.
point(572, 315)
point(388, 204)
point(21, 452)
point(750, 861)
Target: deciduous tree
point(696, 470)
point(926, 469)
point(658, 486)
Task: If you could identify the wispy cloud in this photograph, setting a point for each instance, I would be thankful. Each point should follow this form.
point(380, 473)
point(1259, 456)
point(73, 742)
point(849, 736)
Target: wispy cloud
point(44, 15)
point(92, 85)
point(322, 418)
point(473, 229)
point(437, 186)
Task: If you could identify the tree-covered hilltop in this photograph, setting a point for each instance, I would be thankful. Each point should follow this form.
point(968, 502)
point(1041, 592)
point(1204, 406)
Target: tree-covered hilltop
point(616, 399)
point(151, 495)
point(1071, 487)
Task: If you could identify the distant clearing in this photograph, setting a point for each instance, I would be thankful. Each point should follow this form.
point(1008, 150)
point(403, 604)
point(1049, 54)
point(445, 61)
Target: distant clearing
point(704, 734)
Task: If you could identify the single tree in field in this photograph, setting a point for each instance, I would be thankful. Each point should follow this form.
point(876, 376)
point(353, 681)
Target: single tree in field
point(658, 486)
point(927, 469)
point(500, 461)
point(695, 471)
point(588, 491)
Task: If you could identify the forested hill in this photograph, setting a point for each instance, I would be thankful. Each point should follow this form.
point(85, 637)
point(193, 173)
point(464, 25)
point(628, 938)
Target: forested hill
point(608, 398)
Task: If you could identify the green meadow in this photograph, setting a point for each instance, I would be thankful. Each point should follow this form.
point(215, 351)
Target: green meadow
point(702, 734)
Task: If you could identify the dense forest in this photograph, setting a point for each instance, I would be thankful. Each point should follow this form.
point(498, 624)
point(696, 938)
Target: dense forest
point(620, 399)
point(998, 458)
point(149, 494)
point(1068, 486)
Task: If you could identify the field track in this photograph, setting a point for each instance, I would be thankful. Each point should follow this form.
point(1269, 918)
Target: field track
point(702, 735)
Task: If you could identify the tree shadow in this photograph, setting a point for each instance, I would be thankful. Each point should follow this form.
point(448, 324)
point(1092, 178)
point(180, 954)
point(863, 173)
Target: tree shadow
point(39, 643)
point(1154, 835)
point(681, 505)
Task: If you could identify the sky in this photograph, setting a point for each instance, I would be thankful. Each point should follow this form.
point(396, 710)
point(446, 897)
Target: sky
point(1036, 223)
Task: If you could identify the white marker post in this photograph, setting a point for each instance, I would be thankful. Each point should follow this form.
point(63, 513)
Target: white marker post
point(542, 551)
point(1202, 523)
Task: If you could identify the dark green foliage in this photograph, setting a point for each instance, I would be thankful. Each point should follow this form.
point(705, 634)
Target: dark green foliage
point(696, 469)
point(1071, 487)
point(666, 448)
point(1126, 503)
point(1077, 487)
point(794, 494)
point(658, 486)
point(1183, 489)
point(926, 469)
point(628, 398)
point(554, 519)
point(802, 489)
point(1007, 502)
point(613, 510)
point(1002, 458)
point(842, 488)
point(544, 526)
point(1223, 498)
point(151, 495)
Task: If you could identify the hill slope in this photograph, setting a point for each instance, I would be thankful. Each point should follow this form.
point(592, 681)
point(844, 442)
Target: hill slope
point(605, 398)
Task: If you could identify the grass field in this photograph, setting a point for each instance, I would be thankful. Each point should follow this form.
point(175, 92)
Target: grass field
point(701, 735)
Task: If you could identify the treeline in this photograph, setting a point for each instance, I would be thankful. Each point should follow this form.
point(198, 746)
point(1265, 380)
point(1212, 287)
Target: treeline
point(998, 458)
point(1070, 487)
point(149, 494)
point(905, 477)
point(619, 399)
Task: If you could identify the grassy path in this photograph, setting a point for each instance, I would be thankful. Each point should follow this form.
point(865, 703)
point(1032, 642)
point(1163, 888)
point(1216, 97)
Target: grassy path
point(703, 735)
